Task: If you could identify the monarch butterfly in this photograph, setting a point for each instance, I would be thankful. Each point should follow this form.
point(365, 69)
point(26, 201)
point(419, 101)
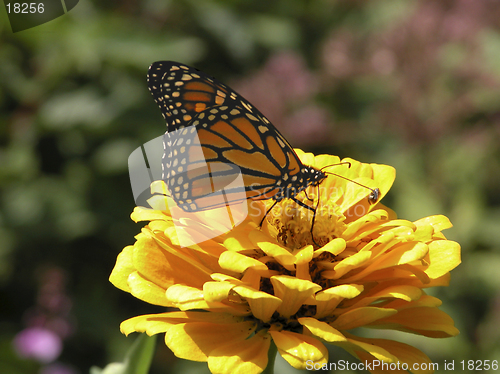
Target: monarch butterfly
point(213, 134)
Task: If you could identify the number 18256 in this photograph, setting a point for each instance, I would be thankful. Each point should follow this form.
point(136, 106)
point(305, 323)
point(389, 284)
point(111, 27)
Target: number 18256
point(25, 8)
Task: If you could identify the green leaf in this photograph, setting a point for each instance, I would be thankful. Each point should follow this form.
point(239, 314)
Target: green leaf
point(271, 354)
point(137, 360)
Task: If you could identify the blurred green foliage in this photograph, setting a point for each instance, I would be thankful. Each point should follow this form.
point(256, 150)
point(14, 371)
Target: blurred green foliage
point(415, 85)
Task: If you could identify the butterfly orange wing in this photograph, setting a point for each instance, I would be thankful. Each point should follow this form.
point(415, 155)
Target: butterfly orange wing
point(214, 135)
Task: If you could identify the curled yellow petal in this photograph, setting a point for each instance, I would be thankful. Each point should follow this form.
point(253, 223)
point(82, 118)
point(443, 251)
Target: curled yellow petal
point(322, 330)
point(299, 349)
point(123, 267)
point(262, 304)
point(293, 292)
point(327, 300)
point(237, 262)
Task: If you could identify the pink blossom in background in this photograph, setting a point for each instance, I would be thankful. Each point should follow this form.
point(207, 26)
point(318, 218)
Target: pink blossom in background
point(284, 91)
point(309, 125)
point(48, 322)
point(39, 344)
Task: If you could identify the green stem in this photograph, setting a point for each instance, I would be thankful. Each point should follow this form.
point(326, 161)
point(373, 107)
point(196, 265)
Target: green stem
point(271, 356)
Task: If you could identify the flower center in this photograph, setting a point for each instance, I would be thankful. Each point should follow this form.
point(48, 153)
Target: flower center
point(291, 223)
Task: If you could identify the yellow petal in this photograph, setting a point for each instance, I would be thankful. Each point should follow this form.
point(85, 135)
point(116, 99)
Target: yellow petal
point(225, 278)
point(293, 292)
point(373, 352)
point(188, 298)
point(180, 294)
point(261, 303)
point(354, 227)
point(384, 176)
point(327, 300)
point(123, 267)
point(238, 239)
point(335, 247)
point(160, 203)
point(281, 254)
point(410, 274)
point(308, 158)
point(196, 340)
point(151, 324)
point(426, 321)
point(322, 330)
point(147, 214)
point(164, 266)
point(159, 226)
point(444, 255)
point(347, 264)
point(384, 292)
point(145, 290)
point(438, 222)
point(241, 356)
point(399, 223)
point(304, 255)
point(423, 301)
point(216, 291)
point(252, 277)
point(237, 262)
point(344, 291)
point(156, 323)
point(424, 233)
point(404, 353)
point(407, 293)
point(302, 259)
point(416, 253)
point(360, 317)
point(402, 232)
point(399, 255)
point(298, 349)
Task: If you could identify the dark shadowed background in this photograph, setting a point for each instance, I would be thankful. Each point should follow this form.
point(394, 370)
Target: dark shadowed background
point(415, 85)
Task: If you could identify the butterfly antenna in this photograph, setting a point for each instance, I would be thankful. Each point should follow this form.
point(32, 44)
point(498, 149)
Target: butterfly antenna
point(375, 192)
point(340, 163)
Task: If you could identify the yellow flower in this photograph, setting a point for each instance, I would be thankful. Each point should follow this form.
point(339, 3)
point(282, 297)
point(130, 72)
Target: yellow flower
point(242, 291)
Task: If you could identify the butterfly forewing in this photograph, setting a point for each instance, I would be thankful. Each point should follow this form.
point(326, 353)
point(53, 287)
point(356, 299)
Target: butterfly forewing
point(182, 92)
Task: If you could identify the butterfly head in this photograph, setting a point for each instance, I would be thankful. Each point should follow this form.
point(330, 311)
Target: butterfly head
point(312, 176)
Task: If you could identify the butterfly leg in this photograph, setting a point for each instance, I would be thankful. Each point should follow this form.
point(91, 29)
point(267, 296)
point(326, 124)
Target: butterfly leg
point(307, 196)
point(314, 215)
point(267, 212)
